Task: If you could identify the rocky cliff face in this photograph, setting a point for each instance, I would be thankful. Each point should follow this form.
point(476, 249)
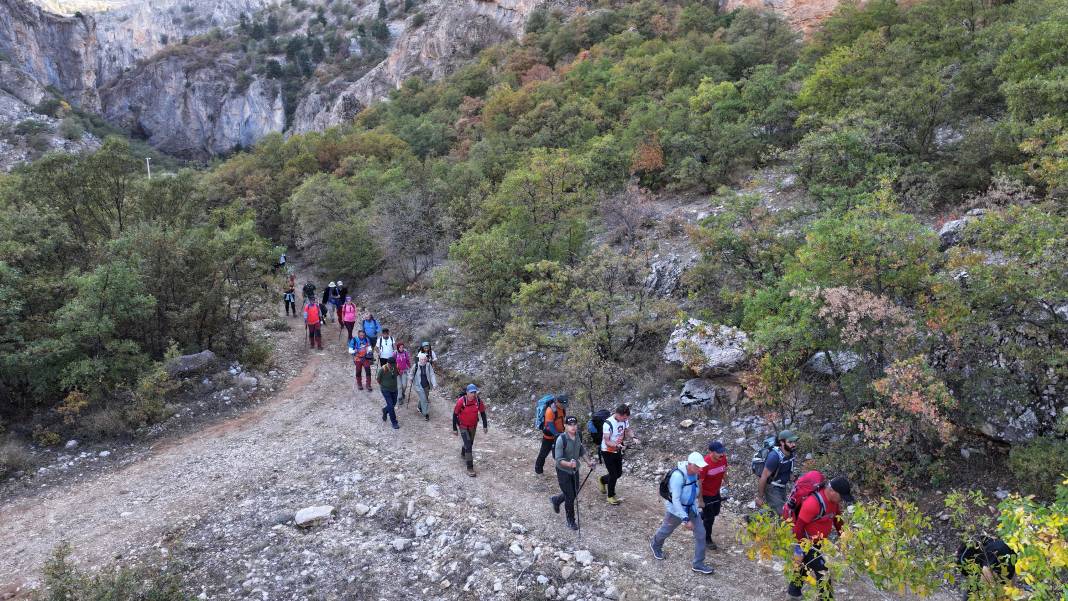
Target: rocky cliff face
point(803, 15)
point(39, 49)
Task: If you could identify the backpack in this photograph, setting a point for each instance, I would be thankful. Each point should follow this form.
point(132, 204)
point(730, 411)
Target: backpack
point(807, 485)
point(335, 294)
point(313, 314)
point(595, 427)
point(539, 411)
point(761, 456)
point(665, 484)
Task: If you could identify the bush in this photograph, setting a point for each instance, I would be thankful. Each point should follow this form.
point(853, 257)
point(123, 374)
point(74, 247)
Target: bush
point(29, 127)
point(71, 129)
point(278, 325)
point(1040, 465)
point(13, 457)
point(64, 581)
point(257, 354)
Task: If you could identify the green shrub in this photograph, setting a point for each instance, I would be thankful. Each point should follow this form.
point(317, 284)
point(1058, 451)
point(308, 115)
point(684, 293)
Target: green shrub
point(29, 127)
point(278, 325)
point(71, 129)
point(257, 354)
point(64, 581)
point(1040, 465)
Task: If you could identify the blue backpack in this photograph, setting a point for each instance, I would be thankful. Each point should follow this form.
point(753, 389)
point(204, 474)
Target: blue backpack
point(539, 411)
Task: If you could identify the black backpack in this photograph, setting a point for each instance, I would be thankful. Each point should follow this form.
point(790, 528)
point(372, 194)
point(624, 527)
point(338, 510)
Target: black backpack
point(665, 484)
point(595, 427)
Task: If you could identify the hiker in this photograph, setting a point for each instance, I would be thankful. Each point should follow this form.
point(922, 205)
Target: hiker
point(404, 365)
point(774, 483)
point(818, 513)
point(465, 421)
point(348, 313)
point(387, 381)
point(328, 299)
point(309, 292)
point(424, 349)
point(713, 477)
point(342, 296)
point(613, 442)
point(423, 381)
point(552, 425)
point(313, 321)
point(385, 346)
point(282, 261)
point(567, 450)
point(371, 328)
point(680, 505)
point(986, 563)
point(336, 300)
point(289, 295)
point(362, 355)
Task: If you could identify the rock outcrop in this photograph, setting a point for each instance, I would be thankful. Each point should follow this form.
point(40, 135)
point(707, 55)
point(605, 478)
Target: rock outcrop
point(707, 349)
point(803, 15)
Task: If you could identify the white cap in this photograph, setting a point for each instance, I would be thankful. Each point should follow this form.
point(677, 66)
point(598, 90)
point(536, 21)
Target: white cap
point(331, 285)
point(339, 282)
point(696, 459)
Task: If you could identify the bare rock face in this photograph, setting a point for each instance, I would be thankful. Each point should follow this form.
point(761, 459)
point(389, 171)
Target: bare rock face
point(803, 15)
point(707, 349)
point(190, 108)
point(43, 49)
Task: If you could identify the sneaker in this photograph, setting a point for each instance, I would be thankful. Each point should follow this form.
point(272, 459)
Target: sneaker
point(602, 486)
point(572, 525)
point(361, 388)
point(369, 389)
point(703, 569)
point(427, 417)
point(396, 426)
point(471, 472)
point(657, 553)
point(613, 501)
point(556, 501)
point(711, 544)
point(539, 472)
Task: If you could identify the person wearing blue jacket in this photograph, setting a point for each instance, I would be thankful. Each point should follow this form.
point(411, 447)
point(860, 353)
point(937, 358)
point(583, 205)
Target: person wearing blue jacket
point(372, 329)
point(362, 355)
point(682, 509)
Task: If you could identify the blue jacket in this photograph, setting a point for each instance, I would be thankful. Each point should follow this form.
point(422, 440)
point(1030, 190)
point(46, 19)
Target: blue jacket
point(356, 344)
point(683, 489)
point(371, 327)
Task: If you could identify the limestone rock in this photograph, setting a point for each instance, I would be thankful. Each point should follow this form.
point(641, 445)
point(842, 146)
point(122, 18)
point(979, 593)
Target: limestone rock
point(188, 364)
point(707, 349)
point(952, 232)
point(698, 391)
point(584, 557)
point(309, 516)
point(843, 362)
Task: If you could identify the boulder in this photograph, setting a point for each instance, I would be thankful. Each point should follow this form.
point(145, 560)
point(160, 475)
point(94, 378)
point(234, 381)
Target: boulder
point(707, 349)
point(188, 364)
point(584, 557)
point(699, 391)
point(309, 516)
point(952, 232)
point(665, 274)
point(246, 381)
point(844, 362)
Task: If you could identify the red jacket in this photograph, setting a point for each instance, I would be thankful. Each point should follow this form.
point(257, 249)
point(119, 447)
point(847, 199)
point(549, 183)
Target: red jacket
point(712, 475)
point(810, 524)
point(466, 412)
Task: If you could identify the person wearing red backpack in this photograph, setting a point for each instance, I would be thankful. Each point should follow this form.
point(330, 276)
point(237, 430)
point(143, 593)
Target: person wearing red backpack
point(465, 422)
point(713, 476)
point(313, 320)
point(817, 514)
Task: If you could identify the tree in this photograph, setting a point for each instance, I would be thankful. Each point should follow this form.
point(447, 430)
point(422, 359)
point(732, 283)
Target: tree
point(383, 12)
point(485, 274)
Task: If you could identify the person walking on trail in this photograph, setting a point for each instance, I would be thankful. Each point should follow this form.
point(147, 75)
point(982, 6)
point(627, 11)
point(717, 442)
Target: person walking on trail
point(362, 355)
point(774, 484)
point(348, 313)
point(313, 320)
point(289, 295)
point(342, 296)
point(614, 439)
point(424, 349)
point(371, 328)
point(553, 426)
point(567, 450)
point(680, 505)
point(336, 300)
point(309, 292)
point(986, 563)
point(327, 301)
point(713, 480)
point(404, 366)
point(818, 514)
point(387, 381)
point(423, 381)
point(385, 346)
point(281, 262)
point(465, 416)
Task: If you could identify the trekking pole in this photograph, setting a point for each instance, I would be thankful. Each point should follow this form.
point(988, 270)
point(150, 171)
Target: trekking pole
point(578, 524)
point(588, 474)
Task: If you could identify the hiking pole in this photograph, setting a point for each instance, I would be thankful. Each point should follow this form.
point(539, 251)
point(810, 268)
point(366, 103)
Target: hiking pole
point(588, 474)
point(578, 524)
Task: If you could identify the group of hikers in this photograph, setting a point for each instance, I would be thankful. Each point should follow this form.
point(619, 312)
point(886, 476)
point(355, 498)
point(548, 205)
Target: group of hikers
point(692, 490)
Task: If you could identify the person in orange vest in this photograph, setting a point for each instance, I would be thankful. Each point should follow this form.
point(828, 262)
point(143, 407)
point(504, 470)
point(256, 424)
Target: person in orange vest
point(313, 320)
point(553, 426)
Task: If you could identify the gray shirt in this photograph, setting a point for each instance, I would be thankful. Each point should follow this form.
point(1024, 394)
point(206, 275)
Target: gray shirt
point(568, 448)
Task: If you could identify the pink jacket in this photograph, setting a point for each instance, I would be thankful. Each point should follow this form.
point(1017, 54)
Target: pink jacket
point(404, 362)
point(348, 312)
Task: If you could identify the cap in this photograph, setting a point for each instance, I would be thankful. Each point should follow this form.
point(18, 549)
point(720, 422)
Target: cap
point(563, 399)
point(788, 435)
point(331, 285)
point(841, 486)
point(571, 419)
point(424, 343)
point(472, 388)
point(717, 447)
point(696, 459)
point(339, 282)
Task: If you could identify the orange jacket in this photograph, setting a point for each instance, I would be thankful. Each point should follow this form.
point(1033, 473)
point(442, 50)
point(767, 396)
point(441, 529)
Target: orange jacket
point(556, 418)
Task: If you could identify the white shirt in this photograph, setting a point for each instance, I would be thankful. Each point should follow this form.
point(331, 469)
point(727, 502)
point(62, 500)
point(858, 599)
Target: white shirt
point(385, 347)
point(615, 430)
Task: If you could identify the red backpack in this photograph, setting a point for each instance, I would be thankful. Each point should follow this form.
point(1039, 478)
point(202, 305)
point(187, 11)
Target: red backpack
point(313, 314)
point(807, 484)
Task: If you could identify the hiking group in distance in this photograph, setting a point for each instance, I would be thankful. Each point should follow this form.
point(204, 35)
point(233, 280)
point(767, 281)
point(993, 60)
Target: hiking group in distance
point(692, 490)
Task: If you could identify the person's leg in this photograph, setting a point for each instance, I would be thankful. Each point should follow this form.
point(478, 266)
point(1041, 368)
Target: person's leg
point(708, 516)
point(666, 528)
point(546, 448)
point(776, 498)
point(348, 327)
point(569, 488)
point(468, 437)
point(698, 539)
point(614, 464)
point(424, 405)
point(402, 384)
point(818, 565)
point(391, 404)
point(319, 337)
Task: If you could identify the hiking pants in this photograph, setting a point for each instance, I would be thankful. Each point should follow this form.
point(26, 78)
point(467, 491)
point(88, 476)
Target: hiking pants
point(672, 522)
point(776, 498)
point(373, 339)
point(290, 303)
point(391, 401)
point(468, 450)
point(424, 400)
point(402, 387)
point(813, 561)
point(348, 326)
point(546, 450)
point(363, 367)
point(315, 336)
point(568, 491)
point(708, 516)
point(613, 462)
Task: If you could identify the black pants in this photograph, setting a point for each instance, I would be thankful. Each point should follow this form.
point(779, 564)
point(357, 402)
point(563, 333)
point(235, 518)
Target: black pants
point(613, 462)
point(546, 450)
point(708, 516)
point(468, 449)
point(568, 491)
point(290, 306)
point(814, 562)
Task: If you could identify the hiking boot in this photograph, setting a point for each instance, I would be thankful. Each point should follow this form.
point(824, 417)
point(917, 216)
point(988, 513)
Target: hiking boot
point(427, 417)
point(711, 544)
point(538, 472)
point(613, 501)
point(360, 387)
point(572, 525)
point(703, 569)
point(556, 501)
point(602, 486)
point(471, 472)
point(383, 415)
point(396, 426)
point(657, 553)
